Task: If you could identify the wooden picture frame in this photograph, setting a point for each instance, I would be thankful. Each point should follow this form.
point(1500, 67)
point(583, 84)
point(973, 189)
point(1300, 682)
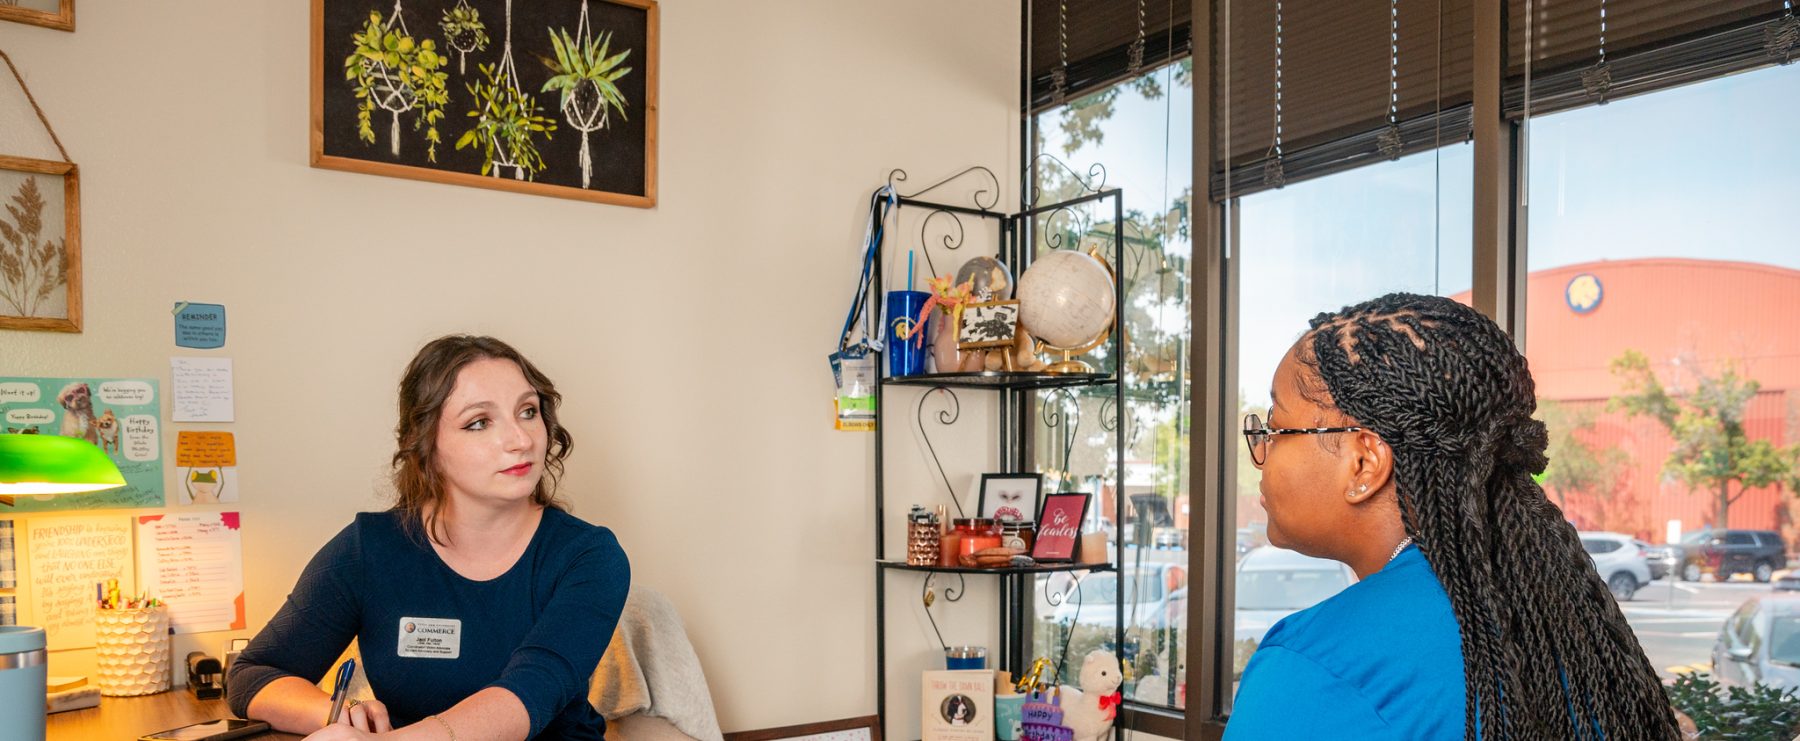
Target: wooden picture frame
point(1059, 527)
point(62, 20)
point(593, 146)
point(23, 252)
point(994, 504)
point(866, 728)
point(989, 324)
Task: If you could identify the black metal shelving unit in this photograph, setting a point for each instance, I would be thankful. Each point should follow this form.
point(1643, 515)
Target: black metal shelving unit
point(1018, 240)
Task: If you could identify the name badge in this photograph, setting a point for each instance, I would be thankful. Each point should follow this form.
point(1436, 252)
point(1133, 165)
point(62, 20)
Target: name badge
point(430, 638)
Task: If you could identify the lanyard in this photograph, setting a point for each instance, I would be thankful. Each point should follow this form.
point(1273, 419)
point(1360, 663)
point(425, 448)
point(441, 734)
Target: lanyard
point(880, 204)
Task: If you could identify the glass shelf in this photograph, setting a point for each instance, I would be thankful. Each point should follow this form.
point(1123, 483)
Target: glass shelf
point(1015, 380)
point(1045, 568)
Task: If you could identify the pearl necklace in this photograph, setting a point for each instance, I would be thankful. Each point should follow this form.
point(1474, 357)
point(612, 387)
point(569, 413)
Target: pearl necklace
point(1404, 542)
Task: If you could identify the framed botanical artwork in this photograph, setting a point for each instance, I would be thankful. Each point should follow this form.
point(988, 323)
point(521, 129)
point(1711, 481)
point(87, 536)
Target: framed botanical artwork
point(548, 97)
point(984, 325)
point(1010, 496)
point(1059, 527)
point(40, 245)
point(57, 14)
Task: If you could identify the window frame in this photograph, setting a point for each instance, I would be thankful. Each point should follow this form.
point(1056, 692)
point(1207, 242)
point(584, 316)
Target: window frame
point(1499, 257)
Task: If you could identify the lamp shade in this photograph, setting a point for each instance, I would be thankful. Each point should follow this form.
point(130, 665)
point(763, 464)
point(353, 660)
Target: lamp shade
point(52, 464)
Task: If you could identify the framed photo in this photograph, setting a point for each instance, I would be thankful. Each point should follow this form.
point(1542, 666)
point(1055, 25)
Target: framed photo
point(40, 245)
point(1059, 527)
point(866, 728)
point(1010, 496)
point(990, 324)
point(57, 14)
point(548, 97)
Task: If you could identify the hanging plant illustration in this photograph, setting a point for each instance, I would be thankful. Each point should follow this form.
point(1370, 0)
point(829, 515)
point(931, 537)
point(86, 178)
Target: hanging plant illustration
point(587, 78)
point(32, 268)
point(464, 32)
point(397, 73)
point(506, 119)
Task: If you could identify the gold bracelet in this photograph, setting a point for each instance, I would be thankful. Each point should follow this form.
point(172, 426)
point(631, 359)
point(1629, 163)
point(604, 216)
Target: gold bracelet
point(446, 725)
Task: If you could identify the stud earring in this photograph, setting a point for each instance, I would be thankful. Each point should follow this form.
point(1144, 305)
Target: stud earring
point(1362, 487)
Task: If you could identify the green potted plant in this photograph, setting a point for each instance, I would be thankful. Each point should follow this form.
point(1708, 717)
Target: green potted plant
point(1758, 713)
point(506, 121)
point(464, 32)
point(587, 78)
point(397, 73)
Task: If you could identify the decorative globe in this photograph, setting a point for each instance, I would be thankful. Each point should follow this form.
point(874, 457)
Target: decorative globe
point(993, 282)
point(1066, 298)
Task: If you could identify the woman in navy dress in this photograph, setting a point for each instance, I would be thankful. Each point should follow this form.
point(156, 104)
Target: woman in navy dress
point(479, 605)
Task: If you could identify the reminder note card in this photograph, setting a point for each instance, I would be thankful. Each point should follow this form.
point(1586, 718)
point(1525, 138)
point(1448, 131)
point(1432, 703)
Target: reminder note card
point(202, 389)
point(194, 562)
point(66, 557)
point(199, 326)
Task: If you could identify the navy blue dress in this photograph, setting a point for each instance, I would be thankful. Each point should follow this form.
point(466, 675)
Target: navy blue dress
point(537, 630)
point(1380, 660)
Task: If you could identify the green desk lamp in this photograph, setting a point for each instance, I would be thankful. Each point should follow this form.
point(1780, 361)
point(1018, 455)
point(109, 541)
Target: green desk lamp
point(39, 464)
point(53, 464)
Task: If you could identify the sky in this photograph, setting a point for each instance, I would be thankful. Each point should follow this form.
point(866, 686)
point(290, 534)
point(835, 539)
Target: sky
point(1709, 170)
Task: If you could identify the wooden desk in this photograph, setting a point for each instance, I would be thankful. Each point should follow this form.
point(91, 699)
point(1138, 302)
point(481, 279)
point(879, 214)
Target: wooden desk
point(126, 718)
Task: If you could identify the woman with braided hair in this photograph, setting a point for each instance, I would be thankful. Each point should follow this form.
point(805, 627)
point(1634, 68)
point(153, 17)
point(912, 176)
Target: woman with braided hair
point(1401, 443)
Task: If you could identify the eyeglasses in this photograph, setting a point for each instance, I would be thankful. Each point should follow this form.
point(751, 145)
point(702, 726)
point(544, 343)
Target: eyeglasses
point(1257, 434)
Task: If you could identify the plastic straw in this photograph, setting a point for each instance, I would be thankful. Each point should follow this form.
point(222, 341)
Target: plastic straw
point(909, 270)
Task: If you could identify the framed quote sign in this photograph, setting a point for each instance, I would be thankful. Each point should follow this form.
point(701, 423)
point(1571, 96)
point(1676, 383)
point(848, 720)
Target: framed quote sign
point(1059, 527)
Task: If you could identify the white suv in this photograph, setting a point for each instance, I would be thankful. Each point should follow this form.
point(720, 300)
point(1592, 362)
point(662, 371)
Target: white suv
point(1620, 560)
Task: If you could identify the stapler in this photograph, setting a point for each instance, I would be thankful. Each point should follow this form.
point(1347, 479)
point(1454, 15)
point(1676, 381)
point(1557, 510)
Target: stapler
point(205, 676)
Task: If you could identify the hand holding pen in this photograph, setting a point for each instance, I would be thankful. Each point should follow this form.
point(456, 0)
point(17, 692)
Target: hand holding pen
point(367, 716)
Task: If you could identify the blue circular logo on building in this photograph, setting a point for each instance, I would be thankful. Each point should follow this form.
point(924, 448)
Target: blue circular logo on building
point(1583, 293)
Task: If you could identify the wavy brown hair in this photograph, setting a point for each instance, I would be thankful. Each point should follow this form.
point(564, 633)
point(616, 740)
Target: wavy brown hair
point(430, 377)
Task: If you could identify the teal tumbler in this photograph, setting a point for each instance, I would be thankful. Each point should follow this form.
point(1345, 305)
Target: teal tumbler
point(23, 678)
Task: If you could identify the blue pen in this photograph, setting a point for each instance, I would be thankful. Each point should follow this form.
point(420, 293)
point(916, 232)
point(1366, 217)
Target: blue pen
point(342, 690)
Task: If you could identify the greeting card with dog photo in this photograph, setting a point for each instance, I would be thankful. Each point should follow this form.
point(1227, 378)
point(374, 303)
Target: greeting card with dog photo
point(120, 415)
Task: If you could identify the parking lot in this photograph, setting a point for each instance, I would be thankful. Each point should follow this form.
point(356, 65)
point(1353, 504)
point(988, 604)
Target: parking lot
point(1678, 621)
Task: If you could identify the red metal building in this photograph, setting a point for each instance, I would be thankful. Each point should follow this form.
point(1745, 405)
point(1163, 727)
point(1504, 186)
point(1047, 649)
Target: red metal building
point(1685, 315)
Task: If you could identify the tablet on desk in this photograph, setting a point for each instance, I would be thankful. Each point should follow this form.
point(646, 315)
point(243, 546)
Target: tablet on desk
point(218, 730)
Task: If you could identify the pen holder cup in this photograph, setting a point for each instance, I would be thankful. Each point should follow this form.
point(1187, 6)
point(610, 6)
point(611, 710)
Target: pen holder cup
point(131, 651)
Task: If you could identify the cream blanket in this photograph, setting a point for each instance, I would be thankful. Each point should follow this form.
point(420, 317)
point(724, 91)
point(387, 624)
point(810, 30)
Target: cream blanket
point(650, 668)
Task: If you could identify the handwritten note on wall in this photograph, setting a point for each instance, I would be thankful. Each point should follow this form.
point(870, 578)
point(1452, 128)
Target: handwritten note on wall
point(67, 556)
point(202, 389)
point(194, 562)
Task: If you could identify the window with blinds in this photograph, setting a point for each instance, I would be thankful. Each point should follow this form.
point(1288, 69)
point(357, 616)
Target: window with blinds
point(1360, 82)
point(1078, 47)
point(1342, 66)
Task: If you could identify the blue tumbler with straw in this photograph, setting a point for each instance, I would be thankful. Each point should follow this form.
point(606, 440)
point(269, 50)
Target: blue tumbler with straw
point(906, 357)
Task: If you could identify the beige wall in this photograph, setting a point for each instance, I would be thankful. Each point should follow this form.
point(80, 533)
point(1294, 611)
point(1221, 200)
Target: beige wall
point(703, 438)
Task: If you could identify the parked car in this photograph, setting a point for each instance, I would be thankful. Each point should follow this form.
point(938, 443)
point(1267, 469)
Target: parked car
point(1659, 568)
point(1663, 559)
point(1760, 643)
point(1093, 599)
point(1725, 553)
point(1273, 583)
point(1621, 560)
point(1789, 582)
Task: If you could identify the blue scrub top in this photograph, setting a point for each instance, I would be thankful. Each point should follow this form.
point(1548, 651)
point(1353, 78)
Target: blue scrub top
point(1379, 660)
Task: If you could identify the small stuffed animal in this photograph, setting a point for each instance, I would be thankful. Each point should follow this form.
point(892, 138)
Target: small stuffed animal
point(1090, 710)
